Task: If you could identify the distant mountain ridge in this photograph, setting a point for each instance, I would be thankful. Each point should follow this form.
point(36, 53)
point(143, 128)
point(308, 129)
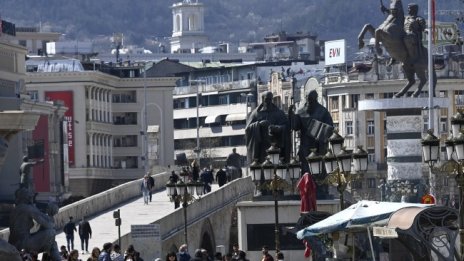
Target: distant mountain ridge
point(143, 21)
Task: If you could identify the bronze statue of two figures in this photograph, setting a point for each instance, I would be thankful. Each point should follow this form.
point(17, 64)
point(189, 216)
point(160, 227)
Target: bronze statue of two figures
point(402, 37)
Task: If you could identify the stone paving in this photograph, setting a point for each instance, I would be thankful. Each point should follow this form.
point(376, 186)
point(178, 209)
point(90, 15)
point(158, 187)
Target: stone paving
point(132, 213)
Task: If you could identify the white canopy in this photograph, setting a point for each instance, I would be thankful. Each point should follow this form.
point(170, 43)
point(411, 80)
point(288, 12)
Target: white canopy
point(236, 117)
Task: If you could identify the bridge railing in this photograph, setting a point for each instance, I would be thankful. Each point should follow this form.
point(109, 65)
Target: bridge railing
point(231, 193)
point(101, 201)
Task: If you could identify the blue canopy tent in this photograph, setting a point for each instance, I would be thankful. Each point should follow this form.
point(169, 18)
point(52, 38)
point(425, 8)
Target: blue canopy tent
point(362, 214)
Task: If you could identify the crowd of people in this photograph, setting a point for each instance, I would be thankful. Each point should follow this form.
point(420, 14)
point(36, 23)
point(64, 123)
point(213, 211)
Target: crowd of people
point(113, 252)
point(109, 252)
point(203, 255)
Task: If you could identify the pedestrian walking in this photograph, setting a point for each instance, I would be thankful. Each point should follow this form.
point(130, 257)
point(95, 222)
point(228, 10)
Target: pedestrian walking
point(68, 230)
point(221, 177)
point(207, 179)
point(195, 170)
point(85, 233)
point(152, 185)
point(280, 256)
point(173, 179)
point(145, 187)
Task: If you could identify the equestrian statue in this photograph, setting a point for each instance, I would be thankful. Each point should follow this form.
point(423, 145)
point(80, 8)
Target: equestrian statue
point(402, 38)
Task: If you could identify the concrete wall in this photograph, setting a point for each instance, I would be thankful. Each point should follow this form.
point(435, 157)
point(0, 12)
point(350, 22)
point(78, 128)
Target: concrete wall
point(100, 202)
point(263, 212)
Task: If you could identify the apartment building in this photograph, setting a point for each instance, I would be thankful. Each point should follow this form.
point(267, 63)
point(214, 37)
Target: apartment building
point(21, 122)
point(109, 110)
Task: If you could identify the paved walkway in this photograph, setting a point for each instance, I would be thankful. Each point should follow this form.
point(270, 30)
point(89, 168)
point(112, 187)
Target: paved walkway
point(132, 213)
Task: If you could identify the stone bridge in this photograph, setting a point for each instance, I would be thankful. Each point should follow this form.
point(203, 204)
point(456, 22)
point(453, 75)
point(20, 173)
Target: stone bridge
point(211, 220)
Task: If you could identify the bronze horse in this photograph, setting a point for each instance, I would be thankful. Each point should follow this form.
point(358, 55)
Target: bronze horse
point(391, 33)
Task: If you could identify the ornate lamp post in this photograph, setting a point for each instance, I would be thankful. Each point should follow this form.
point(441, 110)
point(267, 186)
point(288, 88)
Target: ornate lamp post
point(186, 191)
point(455, 163)
point(273, 175)
point(338, 163)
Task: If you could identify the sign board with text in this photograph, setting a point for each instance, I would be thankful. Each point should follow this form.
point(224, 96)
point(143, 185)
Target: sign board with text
point(335, 52)
point(150, 231)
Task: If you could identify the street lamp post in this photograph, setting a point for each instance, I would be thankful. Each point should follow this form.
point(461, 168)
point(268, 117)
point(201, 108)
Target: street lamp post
point(145, 120)
point(454, 165)
point(197, 150)
point(338, 164)
point(247, 96)
point(186, 191)
point(275, 175)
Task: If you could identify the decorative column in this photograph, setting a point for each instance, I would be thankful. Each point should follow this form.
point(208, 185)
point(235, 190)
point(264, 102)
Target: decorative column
point(406, 179)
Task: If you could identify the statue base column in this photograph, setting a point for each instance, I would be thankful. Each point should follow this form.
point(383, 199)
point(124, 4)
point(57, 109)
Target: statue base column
point(405, 174)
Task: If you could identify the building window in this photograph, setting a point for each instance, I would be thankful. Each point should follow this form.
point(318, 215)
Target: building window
point(388, 95)
point(125, 141)
point(34, 95)
point(334, 103)
point(459, 97)
point(124, 97)
point(371, 157)
point(371, 183)
point(349, 128)
point(443, 125)
point(369, 96)
point(128, 118)
point(370, 127)
point(354, 101)
point(224, 99)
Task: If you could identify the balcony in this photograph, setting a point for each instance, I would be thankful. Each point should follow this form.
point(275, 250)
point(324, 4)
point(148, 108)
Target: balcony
point(208, 132)
point(217, 87)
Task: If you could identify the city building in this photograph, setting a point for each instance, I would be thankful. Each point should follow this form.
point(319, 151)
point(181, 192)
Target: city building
point(34, 39)
point(109, 110)
point(23, 123)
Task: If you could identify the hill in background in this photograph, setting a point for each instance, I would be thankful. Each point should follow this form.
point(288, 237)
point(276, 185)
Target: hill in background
point(144, 22)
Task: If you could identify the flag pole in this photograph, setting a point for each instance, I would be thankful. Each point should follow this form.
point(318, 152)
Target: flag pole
point(430, 27)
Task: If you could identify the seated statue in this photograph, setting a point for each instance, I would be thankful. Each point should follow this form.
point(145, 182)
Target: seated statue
point(22, 220)
point(267, 125)
point(315, 125)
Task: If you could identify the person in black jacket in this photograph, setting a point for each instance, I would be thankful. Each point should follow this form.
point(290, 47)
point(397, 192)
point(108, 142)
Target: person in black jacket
point(152, 184)
point(174, 178)
point(221, 177)
point(85, 233)
point(68, 230)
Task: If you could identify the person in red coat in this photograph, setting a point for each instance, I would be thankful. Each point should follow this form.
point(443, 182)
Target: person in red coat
point(307, 188)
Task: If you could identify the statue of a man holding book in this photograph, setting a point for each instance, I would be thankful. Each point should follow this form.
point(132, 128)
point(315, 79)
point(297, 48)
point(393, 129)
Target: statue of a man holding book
point(315, 125)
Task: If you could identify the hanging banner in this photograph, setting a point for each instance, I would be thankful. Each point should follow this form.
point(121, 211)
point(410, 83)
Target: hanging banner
point(67, 98)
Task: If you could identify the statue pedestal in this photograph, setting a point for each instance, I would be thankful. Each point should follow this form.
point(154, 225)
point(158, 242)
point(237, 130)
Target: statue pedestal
point(404, 133)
